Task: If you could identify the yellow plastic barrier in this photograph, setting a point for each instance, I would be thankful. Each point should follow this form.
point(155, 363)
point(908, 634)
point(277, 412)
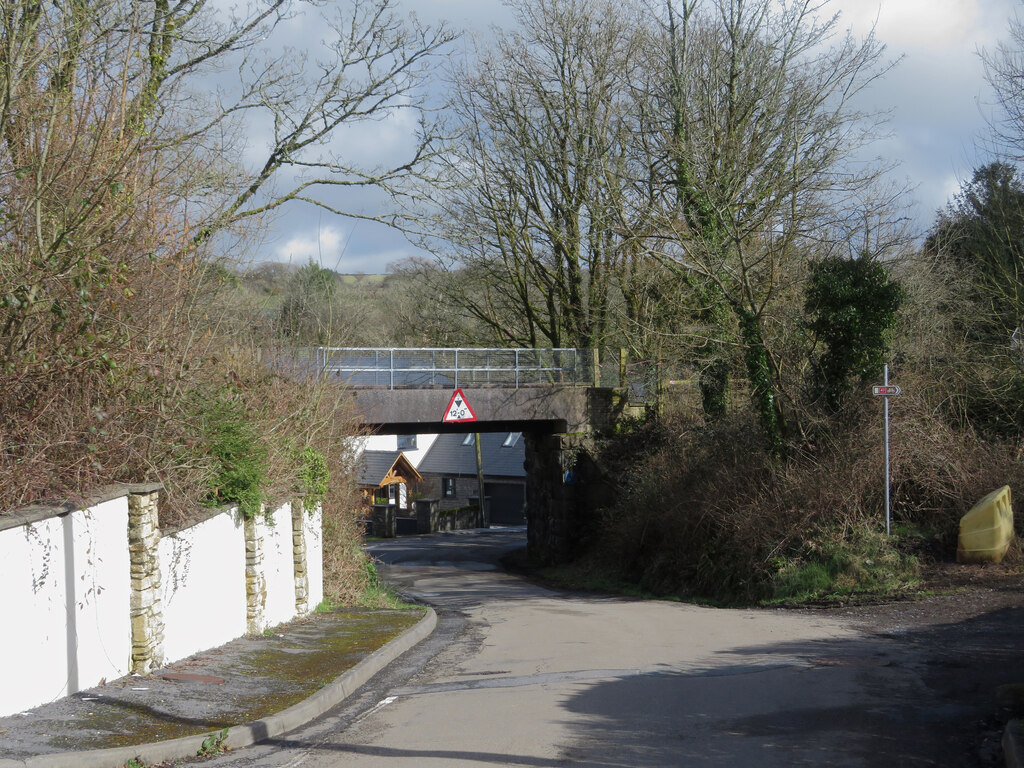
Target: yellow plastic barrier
point(987, 530)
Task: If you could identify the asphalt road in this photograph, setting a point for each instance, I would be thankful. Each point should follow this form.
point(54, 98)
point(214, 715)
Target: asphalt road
point(518, 675)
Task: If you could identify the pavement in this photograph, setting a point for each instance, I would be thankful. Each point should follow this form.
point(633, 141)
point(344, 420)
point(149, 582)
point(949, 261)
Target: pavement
point(251, 689)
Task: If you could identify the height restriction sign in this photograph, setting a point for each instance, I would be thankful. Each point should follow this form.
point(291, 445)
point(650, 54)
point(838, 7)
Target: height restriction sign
point(459, 409)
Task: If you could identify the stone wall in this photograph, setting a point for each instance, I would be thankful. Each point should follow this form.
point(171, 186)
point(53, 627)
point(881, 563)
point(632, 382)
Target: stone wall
point(255, 580)
point(466, 488)
point(563, 491)
point(430, 517)
point(299, 560)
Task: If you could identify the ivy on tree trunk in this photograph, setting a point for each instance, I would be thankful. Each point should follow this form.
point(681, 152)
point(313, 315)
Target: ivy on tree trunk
point(759, 373)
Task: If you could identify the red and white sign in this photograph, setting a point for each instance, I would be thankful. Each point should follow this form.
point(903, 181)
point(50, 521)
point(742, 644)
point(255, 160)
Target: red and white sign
point(459, 409)
point(883, 390)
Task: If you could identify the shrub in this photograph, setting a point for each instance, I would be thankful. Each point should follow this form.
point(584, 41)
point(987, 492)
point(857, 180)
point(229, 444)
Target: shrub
point(233, 440)
point(314, 476)
point(856, 562)
point(705, 513)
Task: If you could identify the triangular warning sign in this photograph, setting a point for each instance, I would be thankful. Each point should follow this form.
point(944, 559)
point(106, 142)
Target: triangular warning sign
point(459, 409)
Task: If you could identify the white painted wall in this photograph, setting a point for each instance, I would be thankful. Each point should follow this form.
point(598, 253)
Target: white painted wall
point(312, 522)
point(33, 666)
point(102, 593)
point(65, 595)
point(423, 444)
point(65, 598)
point(279, 566)
point(203, 585)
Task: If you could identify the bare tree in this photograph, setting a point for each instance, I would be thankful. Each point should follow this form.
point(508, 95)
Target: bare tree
point(371, 66)
point(121, 159)
point(717, 136)
point(157, 57)
point(533, 216)
point(760, 133)
point(1004, 71)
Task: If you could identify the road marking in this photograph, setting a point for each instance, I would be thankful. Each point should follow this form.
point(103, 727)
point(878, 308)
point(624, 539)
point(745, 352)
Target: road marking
point(377, 707)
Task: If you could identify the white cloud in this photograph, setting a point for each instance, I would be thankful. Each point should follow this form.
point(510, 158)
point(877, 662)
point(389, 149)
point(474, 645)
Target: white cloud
point(937, 92)
point(951, 186)
point(934, 94)
point(323, 246)
point(929, 25)
point(373, 143)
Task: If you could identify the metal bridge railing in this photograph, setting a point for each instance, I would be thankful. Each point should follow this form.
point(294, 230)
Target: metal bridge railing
point(449, 368)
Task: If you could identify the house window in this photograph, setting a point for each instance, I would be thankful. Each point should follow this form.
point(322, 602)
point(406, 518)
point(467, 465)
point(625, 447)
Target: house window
point(407, 442)
point(468, 440)
point(512, 439)
point(448, 487)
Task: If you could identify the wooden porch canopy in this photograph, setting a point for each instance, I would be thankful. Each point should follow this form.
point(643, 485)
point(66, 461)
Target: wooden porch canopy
point(383, 468)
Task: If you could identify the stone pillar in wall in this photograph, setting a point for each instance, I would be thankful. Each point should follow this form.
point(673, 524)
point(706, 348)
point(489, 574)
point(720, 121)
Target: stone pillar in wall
point(545, 508)
point(255, 578)
point(146, 605)
point(427, 515)
point(384, 521)
point(299, 554)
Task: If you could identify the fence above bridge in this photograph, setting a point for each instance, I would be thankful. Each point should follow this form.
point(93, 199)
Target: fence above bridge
point(447, 368)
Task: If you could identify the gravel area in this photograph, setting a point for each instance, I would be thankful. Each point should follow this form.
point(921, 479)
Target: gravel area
point(953, 593)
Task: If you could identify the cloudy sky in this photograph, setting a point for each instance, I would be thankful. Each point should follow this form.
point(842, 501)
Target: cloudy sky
point(937, 95)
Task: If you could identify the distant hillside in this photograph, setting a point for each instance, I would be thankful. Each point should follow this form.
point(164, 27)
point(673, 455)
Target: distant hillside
point(270, 278)
point(361, 279)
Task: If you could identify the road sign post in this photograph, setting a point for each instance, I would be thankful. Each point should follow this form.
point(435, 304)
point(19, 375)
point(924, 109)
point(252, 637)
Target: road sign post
point(885, 391)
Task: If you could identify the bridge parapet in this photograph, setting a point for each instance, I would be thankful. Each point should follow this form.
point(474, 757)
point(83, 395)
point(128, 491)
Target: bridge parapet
point(451, 368)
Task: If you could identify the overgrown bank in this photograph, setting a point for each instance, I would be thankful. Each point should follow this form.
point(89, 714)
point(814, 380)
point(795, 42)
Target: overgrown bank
point(127, 195)
point(708, 512)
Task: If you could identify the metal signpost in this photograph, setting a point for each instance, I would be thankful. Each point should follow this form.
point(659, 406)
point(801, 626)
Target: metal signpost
point(885, 391)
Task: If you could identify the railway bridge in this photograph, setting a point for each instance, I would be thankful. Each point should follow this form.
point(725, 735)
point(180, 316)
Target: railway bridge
point(555, 397)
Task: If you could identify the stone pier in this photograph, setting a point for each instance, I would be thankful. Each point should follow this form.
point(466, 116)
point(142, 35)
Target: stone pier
point(146, 609)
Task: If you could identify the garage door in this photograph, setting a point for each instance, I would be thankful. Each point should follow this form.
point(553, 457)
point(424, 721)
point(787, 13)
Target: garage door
point(508, 503)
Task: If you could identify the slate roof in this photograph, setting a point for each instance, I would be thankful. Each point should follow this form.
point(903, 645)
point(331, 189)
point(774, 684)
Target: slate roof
point(448, 456)
point(375, 465)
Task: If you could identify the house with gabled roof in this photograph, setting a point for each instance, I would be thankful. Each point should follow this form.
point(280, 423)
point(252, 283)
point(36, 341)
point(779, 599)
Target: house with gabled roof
point(385, 475)
point(394, 467)
point(449, 473)
point(387, 466)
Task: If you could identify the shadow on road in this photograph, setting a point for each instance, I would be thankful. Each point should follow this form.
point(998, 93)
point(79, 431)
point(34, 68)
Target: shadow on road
point(924, 696)
point(931, 701)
